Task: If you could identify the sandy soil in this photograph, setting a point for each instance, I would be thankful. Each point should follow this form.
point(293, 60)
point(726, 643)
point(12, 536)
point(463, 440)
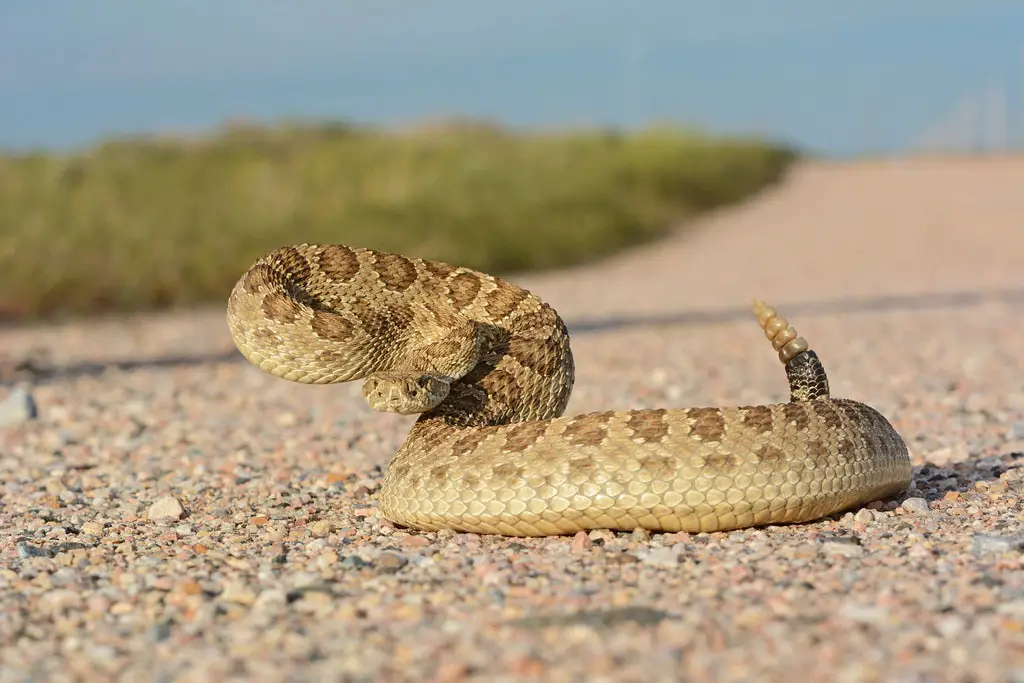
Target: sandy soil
point(906, 276)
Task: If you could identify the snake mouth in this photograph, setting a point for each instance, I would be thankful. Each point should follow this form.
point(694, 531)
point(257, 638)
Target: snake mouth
point(405, 394)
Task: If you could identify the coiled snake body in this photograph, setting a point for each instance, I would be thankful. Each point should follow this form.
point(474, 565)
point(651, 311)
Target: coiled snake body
point(488, 366)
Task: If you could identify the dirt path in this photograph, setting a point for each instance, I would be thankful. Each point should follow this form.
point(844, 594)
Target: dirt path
point(906, 276)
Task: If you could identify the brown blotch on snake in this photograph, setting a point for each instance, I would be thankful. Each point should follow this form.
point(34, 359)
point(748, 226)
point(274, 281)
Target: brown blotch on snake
point(721, 460)
point(648, 425)
point(462, 289)
point(584, 466)
point(758, 419)
point(438, 269)
point(292, 267)
point(769, 453)
point(376, 321)
point(540, 324)
point(339, 263)
point(508, 470)
point(438, 473)
point(521, 436)
point(816, 450)
point(708, 423)
point(660, 467)
point(255, 279)
point(433, 438)
point(281, 309)
point(396, 272)
point(587, 430)
point(829, 415)
point(506, 461)
point(468, 443)
point(526, 353)
point(501, 385)
point(265, 336)
point(503, 303)
point(796, 414)
point(327, 325)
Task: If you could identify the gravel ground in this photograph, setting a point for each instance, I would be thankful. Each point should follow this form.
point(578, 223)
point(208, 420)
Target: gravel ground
point(169, 512)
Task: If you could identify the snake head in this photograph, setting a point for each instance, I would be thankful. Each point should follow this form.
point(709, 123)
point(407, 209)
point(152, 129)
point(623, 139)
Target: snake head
point(405, 394)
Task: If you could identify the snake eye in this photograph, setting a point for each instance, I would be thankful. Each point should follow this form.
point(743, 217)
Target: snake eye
point(423, 381)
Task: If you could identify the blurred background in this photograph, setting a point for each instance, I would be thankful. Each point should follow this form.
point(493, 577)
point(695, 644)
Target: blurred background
point(153, 150)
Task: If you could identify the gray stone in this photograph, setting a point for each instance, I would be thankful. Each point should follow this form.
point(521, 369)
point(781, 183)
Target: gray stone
point(18, 407)
point(26, 550)
point(664, 556)
point(918, 506)
point(986, 543)
point(842, 549)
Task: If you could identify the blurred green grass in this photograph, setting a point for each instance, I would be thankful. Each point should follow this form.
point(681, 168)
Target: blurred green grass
point(137, 224)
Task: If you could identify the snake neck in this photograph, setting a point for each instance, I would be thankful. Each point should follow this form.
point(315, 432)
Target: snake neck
point(525, 371)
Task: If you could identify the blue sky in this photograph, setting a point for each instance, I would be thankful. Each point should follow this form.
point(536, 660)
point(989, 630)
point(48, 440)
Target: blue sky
point(860, 75)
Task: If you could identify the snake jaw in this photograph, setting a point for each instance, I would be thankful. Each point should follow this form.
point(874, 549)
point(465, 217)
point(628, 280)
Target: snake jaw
point(405, 394)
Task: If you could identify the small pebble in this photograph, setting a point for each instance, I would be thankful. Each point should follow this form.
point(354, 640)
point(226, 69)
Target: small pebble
point(26, 550)
point(18, 407)
point(390, 562)
point(1013, 607)
point(916, 506)
point(166, 509)
point(60, 600)
point(986, 543)
point(92, 528)
point(320, 528)
point(664, 556)
point(950, 626)
point(843, 549)
point(864, 515)
point(415, 541)
point(160, 631)
point(581, 542)
point(1016, 431)
point(239, 593)
point(862, 613)
point(327, 559)
point(352, 562)
point(121, 608)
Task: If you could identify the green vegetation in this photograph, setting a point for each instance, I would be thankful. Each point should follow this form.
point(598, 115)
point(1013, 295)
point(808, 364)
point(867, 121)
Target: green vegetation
point(146, 223)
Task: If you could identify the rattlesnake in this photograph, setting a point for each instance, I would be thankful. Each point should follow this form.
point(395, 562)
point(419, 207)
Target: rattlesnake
point(488, 365)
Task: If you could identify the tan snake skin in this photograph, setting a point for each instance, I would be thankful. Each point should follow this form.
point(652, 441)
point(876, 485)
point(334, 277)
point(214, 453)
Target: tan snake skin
point(488, 365)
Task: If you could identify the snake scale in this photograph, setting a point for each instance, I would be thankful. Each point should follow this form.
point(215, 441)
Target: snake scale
point(488, 367)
